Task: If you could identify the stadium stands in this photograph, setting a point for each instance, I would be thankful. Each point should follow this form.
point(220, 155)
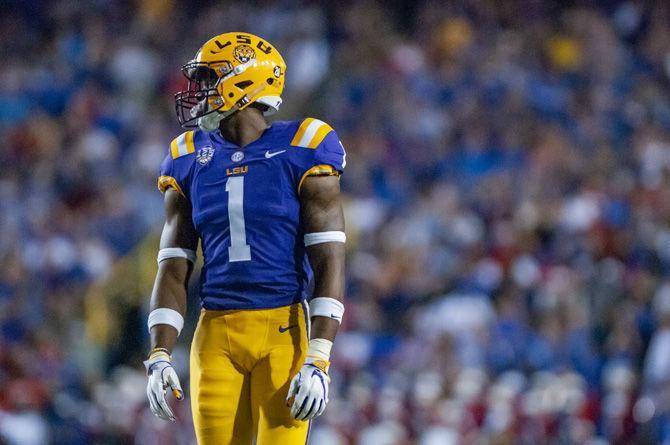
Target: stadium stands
point(508, 206)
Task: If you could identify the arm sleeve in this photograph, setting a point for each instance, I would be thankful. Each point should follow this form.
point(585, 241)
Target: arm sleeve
point(176, 167)
point(169, 177)
point(324, 157)
point(331, 152)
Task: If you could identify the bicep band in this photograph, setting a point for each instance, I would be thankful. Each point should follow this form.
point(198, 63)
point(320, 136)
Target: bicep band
point(176, 252)
point(168, 316)
point(326, 307)
point(335, 236)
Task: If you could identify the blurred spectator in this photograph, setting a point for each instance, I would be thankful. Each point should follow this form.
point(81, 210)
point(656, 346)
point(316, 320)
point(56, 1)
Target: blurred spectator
point(507, 202)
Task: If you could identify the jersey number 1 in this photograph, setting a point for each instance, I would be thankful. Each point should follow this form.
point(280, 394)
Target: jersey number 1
point(239, 250)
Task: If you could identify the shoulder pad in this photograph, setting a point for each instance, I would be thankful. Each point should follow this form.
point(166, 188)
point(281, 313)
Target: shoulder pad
point(182, 145)
point(310, 133)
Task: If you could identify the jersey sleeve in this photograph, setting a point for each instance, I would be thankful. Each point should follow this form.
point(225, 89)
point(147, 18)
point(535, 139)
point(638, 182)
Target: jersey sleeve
point(322, 152)
point(175, 168)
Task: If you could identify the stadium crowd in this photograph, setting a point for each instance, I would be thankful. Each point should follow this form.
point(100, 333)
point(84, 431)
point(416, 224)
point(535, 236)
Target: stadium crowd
point(507, 202)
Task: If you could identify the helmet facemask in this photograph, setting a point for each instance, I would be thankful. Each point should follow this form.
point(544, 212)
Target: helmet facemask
point(200, 104)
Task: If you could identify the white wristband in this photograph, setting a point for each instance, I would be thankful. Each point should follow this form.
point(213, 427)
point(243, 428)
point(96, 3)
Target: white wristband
point(335, 236)
point(319, 349)
point(176, 252)
point(326, 307)
point(164, 315)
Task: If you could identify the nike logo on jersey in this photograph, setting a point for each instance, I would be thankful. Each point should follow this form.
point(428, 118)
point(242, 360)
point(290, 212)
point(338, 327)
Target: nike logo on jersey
point(282, 329)
point(268, 155)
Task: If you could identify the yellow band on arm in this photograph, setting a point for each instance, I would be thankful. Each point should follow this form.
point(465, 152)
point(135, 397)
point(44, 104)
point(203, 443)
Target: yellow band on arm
point(156, 351)
point(318, 170)
point(166, 182)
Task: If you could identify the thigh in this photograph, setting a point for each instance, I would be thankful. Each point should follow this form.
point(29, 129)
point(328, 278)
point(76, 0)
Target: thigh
point(220, 389)
point(284, 355)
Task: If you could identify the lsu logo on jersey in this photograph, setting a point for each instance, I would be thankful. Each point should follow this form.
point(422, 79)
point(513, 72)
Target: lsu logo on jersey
point(237, 170)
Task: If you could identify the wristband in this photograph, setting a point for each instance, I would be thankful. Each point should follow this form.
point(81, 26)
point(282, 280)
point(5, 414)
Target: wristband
point(326, 307)
point(157, 351)
point(335, 236)
point(318, 353)
point(175, 252)
point(164, 315)
point(319, 348)
point(156, 356)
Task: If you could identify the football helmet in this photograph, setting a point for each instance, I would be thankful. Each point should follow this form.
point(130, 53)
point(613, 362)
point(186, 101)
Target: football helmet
point(230, 72)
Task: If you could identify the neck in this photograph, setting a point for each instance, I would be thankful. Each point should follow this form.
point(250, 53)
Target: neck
point(244, 127)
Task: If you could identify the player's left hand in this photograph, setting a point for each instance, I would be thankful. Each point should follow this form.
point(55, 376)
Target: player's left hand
point(162, 376)
point(308, 393)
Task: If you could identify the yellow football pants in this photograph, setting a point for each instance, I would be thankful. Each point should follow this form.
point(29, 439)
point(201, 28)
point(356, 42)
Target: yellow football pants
point(242, 362)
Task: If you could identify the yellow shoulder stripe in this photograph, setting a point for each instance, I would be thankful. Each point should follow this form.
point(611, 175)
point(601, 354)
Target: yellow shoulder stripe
point(182, 145)
point(318, 170)
point(301, 131)
point(166, 182)
point(310, 133)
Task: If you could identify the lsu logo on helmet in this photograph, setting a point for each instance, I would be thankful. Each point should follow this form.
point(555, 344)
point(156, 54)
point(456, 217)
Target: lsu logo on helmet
point(228, 73)
point(244, 53)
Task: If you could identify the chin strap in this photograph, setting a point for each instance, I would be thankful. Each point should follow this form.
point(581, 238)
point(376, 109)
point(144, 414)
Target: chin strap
point(210, 122)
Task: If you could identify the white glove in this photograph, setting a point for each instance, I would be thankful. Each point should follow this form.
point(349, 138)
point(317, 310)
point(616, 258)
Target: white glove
point(308, 392)
point(161, 376)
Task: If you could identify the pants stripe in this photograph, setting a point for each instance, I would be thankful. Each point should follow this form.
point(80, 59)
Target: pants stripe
point(308, 322)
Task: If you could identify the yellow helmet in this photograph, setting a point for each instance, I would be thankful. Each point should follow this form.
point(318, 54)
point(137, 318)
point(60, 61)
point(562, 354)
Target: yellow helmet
point(230, 72)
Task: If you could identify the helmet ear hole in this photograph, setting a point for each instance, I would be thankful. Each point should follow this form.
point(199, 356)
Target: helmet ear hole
point(270, 81)
point(231, 94)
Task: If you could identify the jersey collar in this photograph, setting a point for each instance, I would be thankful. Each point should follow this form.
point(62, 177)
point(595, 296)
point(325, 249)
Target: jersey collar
point(218, 137)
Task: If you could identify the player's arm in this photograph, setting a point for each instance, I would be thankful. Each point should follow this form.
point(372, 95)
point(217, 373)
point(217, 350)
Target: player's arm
point(323, 223)
point(175, 264)
point(168, 300)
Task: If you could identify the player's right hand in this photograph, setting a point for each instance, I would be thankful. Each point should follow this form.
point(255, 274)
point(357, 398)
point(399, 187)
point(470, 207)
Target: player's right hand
point(162, 376)
point(308, 391)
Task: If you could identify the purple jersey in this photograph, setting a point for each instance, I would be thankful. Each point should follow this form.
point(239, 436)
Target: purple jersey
point(246, 209)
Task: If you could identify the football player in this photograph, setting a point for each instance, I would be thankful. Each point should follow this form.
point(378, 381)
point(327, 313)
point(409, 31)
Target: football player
point(264, 201)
